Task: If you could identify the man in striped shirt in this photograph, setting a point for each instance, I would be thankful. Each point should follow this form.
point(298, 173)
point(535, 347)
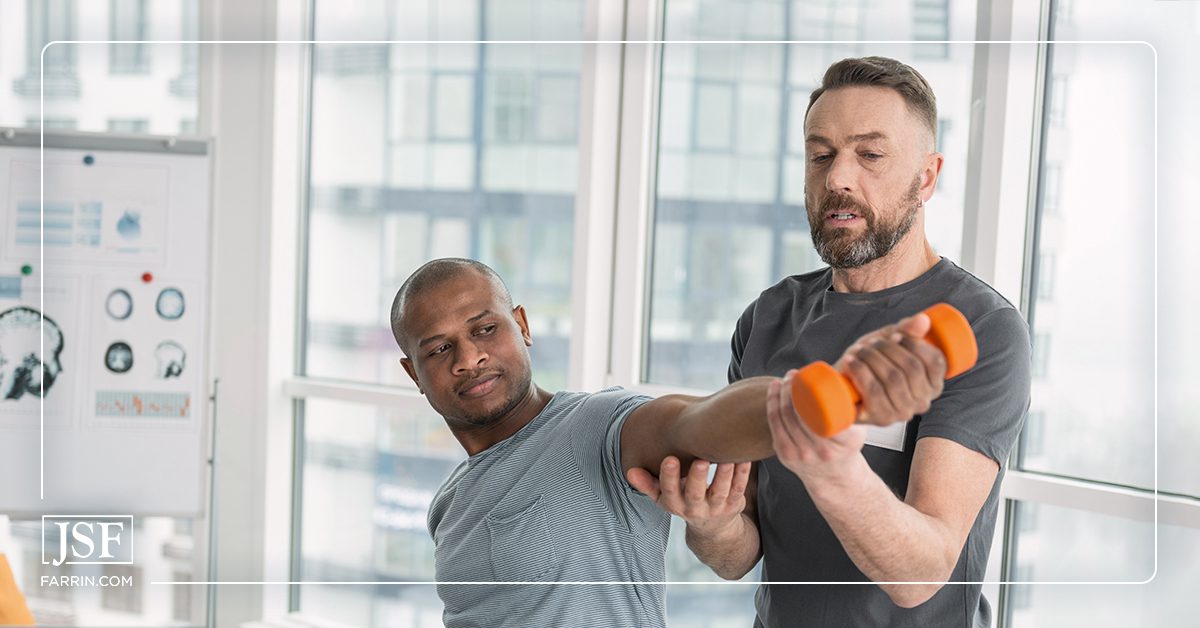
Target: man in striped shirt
point(543, 498)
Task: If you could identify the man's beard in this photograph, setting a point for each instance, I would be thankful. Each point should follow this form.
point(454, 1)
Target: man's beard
point(516, 394)
point(840, 249)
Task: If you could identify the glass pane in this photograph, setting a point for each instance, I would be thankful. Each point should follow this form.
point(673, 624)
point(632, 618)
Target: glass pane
point(1093, 395)
point(423, 151)
point(729, 216)
point(88, 85)
point(369, 476)
point(112, 594)
point(1060, 544)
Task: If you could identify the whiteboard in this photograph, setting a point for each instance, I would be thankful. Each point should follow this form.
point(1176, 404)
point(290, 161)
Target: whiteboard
point(104, 293)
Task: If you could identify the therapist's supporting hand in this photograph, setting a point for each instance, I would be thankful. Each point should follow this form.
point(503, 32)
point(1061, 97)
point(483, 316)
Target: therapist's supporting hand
point(708, 509)
point(798, 448)
point(896, 372)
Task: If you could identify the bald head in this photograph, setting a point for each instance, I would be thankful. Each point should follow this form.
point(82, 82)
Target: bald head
point(432, 275)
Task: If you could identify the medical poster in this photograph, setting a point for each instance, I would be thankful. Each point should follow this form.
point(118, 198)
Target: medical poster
point(103, 311)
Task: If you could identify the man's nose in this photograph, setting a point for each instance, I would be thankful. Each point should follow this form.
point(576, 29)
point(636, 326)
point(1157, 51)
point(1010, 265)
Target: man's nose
point(470, 357)
point(842, 174)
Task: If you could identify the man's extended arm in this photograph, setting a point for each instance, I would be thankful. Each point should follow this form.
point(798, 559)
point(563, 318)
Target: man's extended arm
point(897, 374)
point(727, 426)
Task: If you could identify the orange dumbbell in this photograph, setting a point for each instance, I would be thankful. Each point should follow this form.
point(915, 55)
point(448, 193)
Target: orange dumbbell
point(828, 402)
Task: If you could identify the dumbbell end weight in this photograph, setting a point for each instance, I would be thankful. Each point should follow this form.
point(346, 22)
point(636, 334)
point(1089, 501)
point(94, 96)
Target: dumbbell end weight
point(950, 332)
point(824, 399)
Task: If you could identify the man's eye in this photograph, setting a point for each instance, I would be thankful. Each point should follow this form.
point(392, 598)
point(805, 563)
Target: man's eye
point(872, 156)
point(820, 159)
point(440, 349)
point(486, 329)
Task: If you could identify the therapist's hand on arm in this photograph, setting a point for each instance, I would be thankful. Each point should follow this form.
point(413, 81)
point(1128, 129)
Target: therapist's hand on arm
point(722, 529)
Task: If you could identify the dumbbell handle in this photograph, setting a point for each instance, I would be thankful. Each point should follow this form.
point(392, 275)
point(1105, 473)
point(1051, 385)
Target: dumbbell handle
point(827, 401)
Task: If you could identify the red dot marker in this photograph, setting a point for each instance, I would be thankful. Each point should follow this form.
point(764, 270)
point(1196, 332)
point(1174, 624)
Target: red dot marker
point(147, 277)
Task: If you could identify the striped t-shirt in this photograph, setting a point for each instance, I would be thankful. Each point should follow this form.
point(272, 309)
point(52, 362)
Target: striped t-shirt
point(551, 504)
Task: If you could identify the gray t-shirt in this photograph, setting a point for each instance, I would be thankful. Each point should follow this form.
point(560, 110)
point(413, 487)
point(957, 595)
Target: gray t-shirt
point(801, 319)
point(551, 504)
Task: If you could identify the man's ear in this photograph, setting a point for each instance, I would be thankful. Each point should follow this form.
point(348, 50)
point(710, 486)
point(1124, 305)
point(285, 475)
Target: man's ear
point(523, 323)
point(929, 175)
point(412, 373)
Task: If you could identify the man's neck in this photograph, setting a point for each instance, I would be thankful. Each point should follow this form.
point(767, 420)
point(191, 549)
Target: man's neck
point(908, 260)
point(476, 439)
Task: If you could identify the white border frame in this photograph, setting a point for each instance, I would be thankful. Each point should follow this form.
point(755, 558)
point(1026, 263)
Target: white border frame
point(635, 176)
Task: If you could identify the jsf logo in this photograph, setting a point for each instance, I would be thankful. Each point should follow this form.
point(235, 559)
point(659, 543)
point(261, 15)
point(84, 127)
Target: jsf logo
point(87, 539)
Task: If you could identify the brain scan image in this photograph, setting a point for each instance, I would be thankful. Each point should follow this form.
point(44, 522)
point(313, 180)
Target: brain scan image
point(130, 225)
point(170, 304)
point(171, 359)
point(23, 366)
point(119, 357)
point(119, 304)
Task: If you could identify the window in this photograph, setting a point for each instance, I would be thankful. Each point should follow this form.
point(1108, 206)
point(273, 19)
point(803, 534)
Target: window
point(127, 599)
point(369, 475)
point(429, 187)
point(127, 22)
point(130, 125)
point(1095, 312)
point(52, 123)
point(183, 86)
point(729, 216)
point(181, 602)
point(88, 93)
point(1081, 385)
point(418, 152)
point(1063, 548)
point(931, 22)
point(51, 20)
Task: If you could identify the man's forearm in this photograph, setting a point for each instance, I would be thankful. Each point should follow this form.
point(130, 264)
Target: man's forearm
point(727, 426)
point(730, 552)
point(886, 538)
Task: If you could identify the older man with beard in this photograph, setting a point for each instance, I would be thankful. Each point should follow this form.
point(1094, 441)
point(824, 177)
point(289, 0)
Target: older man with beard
point(910, 518)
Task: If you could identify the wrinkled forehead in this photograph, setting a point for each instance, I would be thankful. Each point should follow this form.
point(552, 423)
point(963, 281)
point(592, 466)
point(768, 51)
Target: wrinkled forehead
point(846, 113)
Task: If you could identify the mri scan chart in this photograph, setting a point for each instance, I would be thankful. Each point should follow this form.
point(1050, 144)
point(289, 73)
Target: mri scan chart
point(142, 332)
point(38, 350)
point(104, 279)
point(119, 304)
point(170, 304)
point(119, 357)
point(28, 366)
point(171, 359)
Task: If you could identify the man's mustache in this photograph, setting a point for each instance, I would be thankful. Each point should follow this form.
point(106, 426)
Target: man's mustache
point(840, 202)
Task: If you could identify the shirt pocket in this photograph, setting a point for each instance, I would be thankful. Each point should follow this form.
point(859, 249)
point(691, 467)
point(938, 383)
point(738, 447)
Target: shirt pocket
point(522, 548)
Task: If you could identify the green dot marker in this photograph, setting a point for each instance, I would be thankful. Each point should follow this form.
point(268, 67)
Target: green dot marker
point(27, 270)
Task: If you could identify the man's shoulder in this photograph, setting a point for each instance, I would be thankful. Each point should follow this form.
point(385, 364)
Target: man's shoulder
point(575, 410)
point(974, 297)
